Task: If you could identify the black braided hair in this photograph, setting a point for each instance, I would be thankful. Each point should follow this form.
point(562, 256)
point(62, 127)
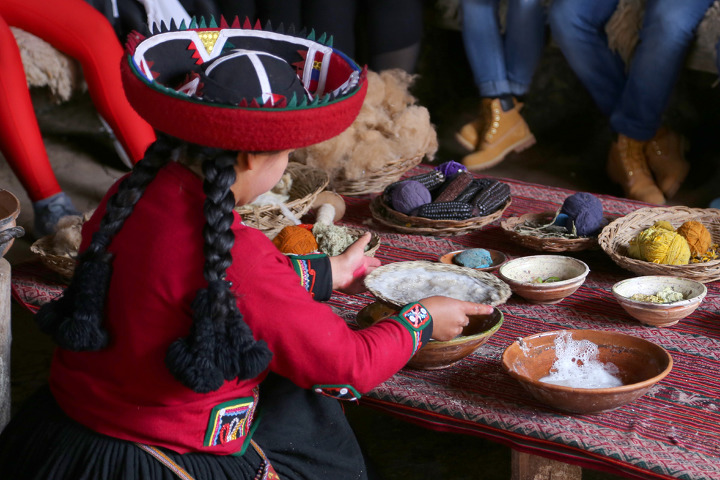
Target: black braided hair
point(74, 320)
point(220, 345)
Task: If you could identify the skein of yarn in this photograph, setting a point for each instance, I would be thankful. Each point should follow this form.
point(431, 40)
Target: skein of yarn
point(659, 245)
point(584, 211)
point(697, 236)
point(409, 195)
point(296, 239)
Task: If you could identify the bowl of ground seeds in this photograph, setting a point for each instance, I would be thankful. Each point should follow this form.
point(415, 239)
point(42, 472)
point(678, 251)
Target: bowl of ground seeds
point(658, 300)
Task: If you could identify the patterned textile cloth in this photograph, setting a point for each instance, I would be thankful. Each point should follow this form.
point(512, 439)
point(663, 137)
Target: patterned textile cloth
point(673, 431)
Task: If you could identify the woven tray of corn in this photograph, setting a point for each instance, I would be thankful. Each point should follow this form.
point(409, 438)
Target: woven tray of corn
point(435, 204)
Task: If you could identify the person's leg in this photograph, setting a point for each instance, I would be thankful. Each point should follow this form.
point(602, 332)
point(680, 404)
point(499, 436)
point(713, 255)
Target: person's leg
point(333, 17)
point(524, 42)
point(21, 141)
point(578, 28)
point(395, 29)
point(667, 31)
point(500, 129)
point(77, 29)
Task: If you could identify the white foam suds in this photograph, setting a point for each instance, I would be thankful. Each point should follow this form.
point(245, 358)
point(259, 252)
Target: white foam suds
point(577, 365)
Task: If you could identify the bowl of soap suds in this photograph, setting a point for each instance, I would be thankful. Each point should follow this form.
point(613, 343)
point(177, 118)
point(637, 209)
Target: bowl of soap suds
point(586, 371)
point(658, 300)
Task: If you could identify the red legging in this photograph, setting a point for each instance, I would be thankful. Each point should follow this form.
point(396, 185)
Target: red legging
point(78, 30)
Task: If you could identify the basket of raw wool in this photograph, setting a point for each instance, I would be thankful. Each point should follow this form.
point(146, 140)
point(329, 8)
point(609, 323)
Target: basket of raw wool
point(390, 136)
point(626, 239)
point(290, 199)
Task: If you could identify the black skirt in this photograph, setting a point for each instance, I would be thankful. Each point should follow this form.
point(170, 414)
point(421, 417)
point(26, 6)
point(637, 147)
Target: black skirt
point(304, 435)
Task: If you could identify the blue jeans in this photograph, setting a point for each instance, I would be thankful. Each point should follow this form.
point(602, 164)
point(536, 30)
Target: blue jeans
point(503, 64)
point(633, 99)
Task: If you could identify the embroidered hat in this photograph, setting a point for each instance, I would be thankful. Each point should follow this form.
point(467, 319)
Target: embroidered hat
point(241, 87)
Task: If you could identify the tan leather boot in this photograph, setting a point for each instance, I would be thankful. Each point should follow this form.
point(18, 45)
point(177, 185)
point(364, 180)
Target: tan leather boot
point(472, 131)
point(665, 154)
point(628, 166)
point(505, 132)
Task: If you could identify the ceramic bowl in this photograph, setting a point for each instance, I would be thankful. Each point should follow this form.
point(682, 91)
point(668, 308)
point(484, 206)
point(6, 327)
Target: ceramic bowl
point(436, 354)
point(498, 259)
point(528, 277)
point(659, 314)
point(9, 211)
point(639, 364)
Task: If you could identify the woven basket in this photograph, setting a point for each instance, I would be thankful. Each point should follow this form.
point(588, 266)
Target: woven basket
point(615, 240)
point(64, 265)
point(375, 181)
point(545, 244)
point(425, 226)
point(307, 183)
point(491, 290)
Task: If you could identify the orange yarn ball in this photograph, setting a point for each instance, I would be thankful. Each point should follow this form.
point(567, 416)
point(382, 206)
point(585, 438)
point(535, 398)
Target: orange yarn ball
point(296, 239)
point(697, 237)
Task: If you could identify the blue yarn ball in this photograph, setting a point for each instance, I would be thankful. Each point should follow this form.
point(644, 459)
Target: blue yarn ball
point(409, 195)
point(450, 168)
point(585, 211)
point(474, 258)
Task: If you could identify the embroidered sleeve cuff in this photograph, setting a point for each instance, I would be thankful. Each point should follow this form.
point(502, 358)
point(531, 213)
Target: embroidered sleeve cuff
point(340, 392)
point(315, 274)
point(418, 321)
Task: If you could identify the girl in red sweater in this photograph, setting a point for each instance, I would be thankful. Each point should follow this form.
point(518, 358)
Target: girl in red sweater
point(189, 344)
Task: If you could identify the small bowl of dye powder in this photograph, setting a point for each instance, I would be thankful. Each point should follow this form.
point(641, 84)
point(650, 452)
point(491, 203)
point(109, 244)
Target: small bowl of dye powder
point(659, 301)
point(544, 279)
point(483, 259)
point(586, 371)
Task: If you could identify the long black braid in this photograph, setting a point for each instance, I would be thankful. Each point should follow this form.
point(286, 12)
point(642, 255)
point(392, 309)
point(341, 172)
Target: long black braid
point(220, 345)
point(74, 320)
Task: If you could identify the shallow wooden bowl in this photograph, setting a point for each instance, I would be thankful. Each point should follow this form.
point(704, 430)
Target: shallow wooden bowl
point(640, 364)
point(436, 354)
point(521, 274)
point(659, 314)
point(498, 259)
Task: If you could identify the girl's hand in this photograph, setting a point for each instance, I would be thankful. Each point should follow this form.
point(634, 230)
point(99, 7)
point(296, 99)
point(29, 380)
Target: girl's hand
point(350, 267)
point(450, 315)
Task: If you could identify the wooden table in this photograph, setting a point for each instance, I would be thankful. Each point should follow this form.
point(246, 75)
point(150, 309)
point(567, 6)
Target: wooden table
point(673, 431)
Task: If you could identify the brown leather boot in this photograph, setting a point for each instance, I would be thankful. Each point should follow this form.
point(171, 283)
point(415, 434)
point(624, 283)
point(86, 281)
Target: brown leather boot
point(505, 132)
point(470, 132)
point(665, 154)
point(628, 166)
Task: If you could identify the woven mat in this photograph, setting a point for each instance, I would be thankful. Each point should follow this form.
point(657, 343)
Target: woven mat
point(673, 431)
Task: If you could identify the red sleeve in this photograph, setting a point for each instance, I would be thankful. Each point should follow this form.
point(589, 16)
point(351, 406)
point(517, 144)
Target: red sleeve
point(311, 345)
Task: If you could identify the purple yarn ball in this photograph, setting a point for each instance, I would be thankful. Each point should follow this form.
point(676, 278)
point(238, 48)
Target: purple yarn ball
point(409, 195)
point(584, 210)
point(450, 168)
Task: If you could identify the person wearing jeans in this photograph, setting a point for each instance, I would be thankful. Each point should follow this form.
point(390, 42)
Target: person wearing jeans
point(646, 159)
point(503, 64)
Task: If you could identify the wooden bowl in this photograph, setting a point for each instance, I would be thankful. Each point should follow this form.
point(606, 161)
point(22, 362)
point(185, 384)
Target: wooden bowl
point(498, 258)
point(436, 354)
point(659, 314)
point(640, 365)
point(522, 275)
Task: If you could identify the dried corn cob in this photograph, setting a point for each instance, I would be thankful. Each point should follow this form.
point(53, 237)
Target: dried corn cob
point(490, 198)
point(454, 187)
point(444, 211)
point(475, 186)
point(431, 180)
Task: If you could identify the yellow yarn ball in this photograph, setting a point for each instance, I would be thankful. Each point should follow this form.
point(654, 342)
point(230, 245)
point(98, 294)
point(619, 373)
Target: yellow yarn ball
point(697, 236)
point(664, 224)
point(295, 239)
point(659, 245)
